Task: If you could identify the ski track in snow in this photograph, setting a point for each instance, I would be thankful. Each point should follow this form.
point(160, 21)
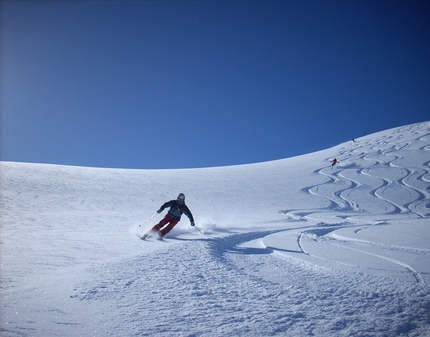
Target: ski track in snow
point(342, 267)
point(234, 293)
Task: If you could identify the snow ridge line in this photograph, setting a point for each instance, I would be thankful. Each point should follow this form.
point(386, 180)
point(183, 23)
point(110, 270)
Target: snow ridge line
point(338, 237)
point(299, 243)
point(416, 274)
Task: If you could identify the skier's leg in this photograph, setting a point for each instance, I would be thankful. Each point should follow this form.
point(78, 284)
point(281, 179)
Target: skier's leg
point(162, 223)
point(169, 227)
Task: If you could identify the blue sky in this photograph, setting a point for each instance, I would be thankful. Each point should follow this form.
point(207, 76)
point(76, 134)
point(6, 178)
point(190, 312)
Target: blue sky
point(181, 84)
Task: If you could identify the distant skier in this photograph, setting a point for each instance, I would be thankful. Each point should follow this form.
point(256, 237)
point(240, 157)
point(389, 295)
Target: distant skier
point(334, 162)
point(173, 216)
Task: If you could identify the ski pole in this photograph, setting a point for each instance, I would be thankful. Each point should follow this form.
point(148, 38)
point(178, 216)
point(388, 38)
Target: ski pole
point(198, 229)
point(147, 220)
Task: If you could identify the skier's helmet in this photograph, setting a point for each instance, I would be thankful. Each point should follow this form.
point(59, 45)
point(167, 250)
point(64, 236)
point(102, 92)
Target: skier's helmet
point(181, 197)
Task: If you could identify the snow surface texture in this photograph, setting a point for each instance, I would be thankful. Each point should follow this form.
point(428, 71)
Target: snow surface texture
point(290, 247)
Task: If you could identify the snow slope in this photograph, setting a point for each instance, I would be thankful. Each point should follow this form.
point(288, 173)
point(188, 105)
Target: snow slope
point(290, 247)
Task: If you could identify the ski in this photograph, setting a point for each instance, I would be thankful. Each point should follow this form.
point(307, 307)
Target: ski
point(151, 234)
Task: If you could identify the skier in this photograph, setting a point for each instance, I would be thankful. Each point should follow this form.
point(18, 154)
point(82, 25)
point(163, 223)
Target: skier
point(333, 162)
point(173, 216)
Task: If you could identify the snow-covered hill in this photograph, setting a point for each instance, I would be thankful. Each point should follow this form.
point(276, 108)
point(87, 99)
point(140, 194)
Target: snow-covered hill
point(291, 247)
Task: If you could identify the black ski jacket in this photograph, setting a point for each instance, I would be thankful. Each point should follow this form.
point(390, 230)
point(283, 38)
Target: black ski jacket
point(176, 210)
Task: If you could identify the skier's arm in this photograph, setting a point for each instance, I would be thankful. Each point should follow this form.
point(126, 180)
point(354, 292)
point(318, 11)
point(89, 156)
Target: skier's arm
point(165, 205)
point(188, 213)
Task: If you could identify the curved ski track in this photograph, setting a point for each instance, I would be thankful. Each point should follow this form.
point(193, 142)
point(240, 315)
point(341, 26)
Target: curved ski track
point(359, 171)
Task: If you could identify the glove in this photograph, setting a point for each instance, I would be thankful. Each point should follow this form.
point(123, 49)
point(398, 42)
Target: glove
point(159, 211)
point(193, 224)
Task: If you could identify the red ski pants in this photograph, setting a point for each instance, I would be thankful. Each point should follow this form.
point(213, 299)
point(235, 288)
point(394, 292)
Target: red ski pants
point(167, 220)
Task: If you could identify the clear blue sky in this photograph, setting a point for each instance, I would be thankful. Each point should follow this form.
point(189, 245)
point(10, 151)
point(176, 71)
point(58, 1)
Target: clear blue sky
point(179, 84)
